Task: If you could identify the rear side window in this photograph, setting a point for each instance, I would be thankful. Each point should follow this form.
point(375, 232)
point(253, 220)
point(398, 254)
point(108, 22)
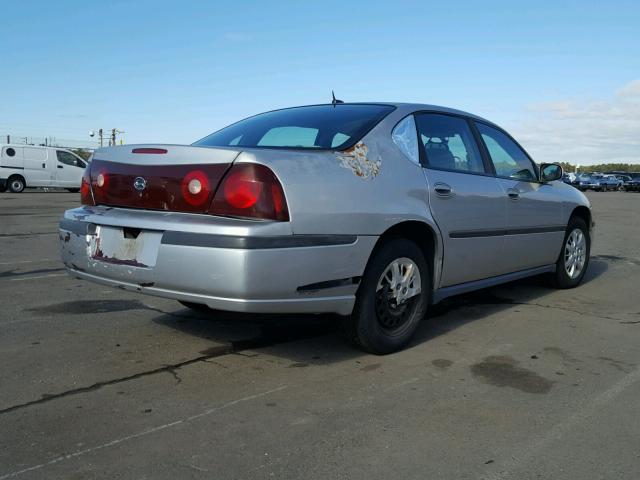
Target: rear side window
point(314, 127)
point(508, 158)
point(448, 143)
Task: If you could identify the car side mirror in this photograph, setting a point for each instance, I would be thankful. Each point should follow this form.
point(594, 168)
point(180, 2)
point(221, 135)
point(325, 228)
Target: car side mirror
point(550, 172)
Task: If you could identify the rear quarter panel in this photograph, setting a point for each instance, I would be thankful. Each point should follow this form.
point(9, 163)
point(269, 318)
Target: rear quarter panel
point(362, 192)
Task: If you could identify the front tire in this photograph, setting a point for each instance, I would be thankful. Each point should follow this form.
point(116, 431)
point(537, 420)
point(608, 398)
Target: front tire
point(15, 184)
point(392, 298)
point(574, 258)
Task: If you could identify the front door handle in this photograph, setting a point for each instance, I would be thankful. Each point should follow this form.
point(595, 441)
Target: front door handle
point(513, 194)
point(442, 189)
point(60, 166)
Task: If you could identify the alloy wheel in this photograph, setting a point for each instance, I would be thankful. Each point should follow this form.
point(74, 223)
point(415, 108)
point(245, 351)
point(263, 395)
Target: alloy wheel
point(575, 251)
point(397, 289)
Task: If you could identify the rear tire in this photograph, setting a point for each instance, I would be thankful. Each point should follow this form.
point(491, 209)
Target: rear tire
point(15, 184)
point(573, 260)
point(384, 319)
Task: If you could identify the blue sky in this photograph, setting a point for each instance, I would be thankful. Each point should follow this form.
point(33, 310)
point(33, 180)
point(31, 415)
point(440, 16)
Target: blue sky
point(173, 72)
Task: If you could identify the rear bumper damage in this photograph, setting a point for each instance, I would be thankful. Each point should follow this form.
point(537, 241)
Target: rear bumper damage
point(226, 264)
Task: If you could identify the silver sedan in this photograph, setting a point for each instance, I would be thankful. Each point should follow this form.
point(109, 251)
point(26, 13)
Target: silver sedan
point(371, 211)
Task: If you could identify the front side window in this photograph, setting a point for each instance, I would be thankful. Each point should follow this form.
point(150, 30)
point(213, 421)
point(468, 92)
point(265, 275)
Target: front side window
point(314, 127)
point(507, 157)
point(67, 158)
point(448, 143)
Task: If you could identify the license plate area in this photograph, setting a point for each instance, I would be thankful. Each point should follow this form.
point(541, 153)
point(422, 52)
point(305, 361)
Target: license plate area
point(126, 246)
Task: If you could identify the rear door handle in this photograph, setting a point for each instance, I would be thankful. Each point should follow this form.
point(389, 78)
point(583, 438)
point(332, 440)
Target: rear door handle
point(513, 193)
point(443, 190)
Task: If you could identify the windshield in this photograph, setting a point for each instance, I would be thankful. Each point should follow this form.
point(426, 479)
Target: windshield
point(314, 127)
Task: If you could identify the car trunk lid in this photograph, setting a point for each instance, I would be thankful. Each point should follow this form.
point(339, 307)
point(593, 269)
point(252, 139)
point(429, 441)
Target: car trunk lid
point(159, 177)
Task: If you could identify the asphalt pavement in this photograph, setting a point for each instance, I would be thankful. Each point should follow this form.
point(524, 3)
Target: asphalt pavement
point(515, 382)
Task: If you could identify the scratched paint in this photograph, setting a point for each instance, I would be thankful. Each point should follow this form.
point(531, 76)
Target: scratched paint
point(357, 160)
point(110, 245)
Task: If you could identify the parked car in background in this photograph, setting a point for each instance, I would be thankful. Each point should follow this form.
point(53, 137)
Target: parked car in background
point(587, 181)
point(624, 179)
point(371, 211)
point(633, 185)
point(611, 182)
point(24, 166)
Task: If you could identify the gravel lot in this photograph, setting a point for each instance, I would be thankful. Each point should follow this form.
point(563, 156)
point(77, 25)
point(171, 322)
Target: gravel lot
point(514, 382)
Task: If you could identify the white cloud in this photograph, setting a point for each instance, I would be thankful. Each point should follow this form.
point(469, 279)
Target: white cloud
point(585, 132)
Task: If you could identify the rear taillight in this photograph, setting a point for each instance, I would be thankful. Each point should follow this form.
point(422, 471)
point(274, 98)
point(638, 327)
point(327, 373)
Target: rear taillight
point(250, 190)
point(86, 197)
point(196, 189)
point(100, 185)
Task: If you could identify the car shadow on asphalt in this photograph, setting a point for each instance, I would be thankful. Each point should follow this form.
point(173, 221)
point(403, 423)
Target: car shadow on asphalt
point(238, 332)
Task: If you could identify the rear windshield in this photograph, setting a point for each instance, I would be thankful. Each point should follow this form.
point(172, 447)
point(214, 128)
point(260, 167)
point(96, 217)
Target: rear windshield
point(314, 127)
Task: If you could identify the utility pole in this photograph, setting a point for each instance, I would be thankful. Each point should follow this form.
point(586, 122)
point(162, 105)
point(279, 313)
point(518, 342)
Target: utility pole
point(113, 141)
point(111, 138)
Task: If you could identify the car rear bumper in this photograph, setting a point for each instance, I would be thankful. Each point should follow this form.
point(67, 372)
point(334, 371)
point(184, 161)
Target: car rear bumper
point(226, 264)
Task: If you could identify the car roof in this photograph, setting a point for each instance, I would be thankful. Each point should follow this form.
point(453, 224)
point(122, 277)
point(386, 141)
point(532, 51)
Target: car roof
point(405, 108)
point(416, 107)
point(21, 145)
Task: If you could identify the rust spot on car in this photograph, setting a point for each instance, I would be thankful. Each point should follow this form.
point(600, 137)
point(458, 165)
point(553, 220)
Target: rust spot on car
point(357, 160)
point(117, 261)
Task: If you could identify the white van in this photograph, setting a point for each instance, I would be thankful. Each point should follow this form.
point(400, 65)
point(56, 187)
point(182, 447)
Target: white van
point(23, 166)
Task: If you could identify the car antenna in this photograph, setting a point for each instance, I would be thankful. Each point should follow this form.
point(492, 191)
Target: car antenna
point(334, 100)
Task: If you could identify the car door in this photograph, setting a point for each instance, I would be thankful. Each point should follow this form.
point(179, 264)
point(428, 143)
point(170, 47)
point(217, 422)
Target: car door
point(535, 228)
point(69, 169)
point(466, 201)
point(35, 167)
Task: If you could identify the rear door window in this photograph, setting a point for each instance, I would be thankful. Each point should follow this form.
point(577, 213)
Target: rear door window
point(448, 144)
